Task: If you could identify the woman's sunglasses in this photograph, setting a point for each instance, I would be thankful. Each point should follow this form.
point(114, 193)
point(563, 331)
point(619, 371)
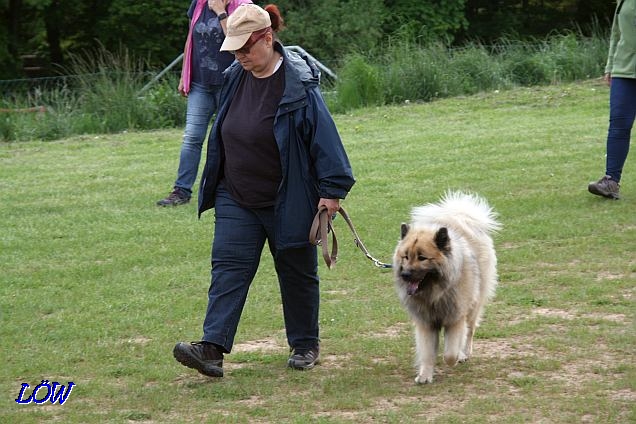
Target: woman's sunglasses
point(249, 44)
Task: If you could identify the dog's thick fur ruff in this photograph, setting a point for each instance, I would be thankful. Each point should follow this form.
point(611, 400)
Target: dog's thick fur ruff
point(445, 271)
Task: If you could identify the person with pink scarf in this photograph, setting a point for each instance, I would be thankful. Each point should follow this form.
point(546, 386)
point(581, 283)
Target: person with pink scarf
point(201, 78)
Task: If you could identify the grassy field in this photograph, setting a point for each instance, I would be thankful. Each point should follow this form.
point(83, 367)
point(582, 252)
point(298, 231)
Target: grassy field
point(98, 284)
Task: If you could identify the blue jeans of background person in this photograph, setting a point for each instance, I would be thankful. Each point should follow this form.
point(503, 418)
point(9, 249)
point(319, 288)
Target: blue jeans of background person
point(202, 104)
point(621, 121)
point(239, 238)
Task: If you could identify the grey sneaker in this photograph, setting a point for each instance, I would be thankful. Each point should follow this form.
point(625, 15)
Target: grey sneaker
point(176, 198)
point(303, 359)
point(605, 187)
point(203, 357)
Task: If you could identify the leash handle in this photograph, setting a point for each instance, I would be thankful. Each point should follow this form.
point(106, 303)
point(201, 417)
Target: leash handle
point(319, 235)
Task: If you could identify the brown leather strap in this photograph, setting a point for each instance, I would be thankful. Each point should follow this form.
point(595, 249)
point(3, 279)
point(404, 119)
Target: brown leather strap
point(319, 235)
point(358, 241)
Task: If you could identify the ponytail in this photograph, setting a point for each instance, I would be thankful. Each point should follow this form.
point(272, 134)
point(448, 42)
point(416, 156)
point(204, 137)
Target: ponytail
point(278, 23)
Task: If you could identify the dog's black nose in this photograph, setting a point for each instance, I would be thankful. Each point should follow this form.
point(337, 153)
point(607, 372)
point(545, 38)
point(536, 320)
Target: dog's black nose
point(406, 275)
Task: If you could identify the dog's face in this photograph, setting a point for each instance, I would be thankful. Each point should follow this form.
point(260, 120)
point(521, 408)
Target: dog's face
point(421, 257)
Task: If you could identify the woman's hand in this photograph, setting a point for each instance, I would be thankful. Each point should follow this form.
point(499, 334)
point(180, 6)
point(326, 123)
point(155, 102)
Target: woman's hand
point(218, 6)
point(332, 205)
point(180, 88)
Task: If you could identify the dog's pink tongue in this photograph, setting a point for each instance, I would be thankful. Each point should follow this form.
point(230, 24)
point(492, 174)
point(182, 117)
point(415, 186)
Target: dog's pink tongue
point(412, 287)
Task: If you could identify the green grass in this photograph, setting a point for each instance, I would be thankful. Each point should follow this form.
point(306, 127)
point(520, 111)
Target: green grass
point(98, 284)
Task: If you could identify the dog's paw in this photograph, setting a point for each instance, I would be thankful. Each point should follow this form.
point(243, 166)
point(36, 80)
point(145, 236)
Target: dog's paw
point(422, 379)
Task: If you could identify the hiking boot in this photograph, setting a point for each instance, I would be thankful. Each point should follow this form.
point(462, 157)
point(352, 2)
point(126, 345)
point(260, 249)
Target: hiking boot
point(605, 187)
point(303, 358)
point(176, 198)
point(203, 357)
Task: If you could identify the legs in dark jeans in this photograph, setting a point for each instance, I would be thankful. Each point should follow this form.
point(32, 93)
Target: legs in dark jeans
point(621, 121)
point(239, 238)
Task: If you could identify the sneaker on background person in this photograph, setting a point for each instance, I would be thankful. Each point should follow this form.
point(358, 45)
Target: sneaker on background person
point(605, 187)
point(177, 197)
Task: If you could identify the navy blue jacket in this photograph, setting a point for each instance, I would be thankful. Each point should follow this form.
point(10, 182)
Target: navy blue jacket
point(313, 160)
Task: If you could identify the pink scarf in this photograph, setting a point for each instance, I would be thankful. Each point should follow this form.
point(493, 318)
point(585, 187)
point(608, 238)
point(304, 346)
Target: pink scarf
point(187, 58)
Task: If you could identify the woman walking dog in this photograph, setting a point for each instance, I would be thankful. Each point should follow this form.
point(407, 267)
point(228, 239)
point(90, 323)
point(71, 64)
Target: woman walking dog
point(274, 157)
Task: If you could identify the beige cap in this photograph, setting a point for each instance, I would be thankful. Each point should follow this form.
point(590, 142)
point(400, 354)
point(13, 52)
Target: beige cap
point(246, 19)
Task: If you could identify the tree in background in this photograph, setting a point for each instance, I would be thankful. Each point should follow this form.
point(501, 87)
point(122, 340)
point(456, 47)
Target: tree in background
point(492, 19)
point(425, 20)
point(48, 29)
point(52, 29)
point(329, 29)
point(153, 29)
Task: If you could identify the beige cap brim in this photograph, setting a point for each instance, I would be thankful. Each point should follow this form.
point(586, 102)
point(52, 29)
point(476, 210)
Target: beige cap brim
point(234, 42)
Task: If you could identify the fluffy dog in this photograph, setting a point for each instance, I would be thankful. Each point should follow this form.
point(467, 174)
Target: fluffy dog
point(445, 271)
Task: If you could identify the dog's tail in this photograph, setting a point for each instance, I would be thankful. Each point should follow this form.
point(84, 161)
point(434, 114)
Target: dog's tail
point(470, 211)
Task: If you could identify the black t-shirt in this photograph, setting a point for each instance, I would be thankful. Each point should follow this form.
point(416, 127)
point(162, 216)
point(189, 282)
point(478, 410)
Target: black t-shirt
point(252, 161)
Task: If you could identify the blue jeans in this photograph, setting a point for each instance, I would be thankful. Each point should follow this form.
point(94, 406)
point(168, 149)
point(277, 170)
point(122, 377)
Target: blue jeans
point(239, 238)
point(202, 104)
point(621, 121)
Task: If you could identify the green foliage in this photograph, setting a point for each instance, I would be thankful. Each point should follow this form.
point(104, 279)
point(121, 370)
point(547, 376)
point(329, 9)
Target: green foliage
point(490, 20)
point(475, 70)
point(361, 85)
point(409, 70)
point(154, 29)
point(59, 117)
point(108, 87)
point(331, 28)
point(570, 64)
point(560, 57)
point(414, 73)
point(428, 20)
point(525, 64)
point(167, 103)
point(9, 62)
point(104, 97)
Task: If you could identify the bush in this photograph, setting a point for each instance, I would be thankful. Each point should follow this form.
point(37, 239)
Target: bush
point(475, 70)
point(575, 57)
point(168, 106)
point(414, 73)
point(105, 96)
point(359, 84)
point(525, 67)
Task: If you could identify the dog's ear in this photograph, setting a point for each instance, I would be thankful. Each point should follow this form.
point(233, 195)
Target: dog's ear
point(404, 229)
point(442, 240)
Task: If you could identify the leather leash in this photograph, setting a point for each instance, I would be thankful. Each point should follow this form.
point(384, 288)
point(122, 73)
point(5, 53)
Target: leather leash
point(319, 235)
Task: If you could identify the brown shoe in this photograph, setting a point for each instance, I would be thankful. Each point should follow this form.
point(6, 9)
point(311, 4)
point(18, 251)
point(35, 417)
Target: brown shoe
point(176, 198)
point(605, 187)
point(203, 357)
